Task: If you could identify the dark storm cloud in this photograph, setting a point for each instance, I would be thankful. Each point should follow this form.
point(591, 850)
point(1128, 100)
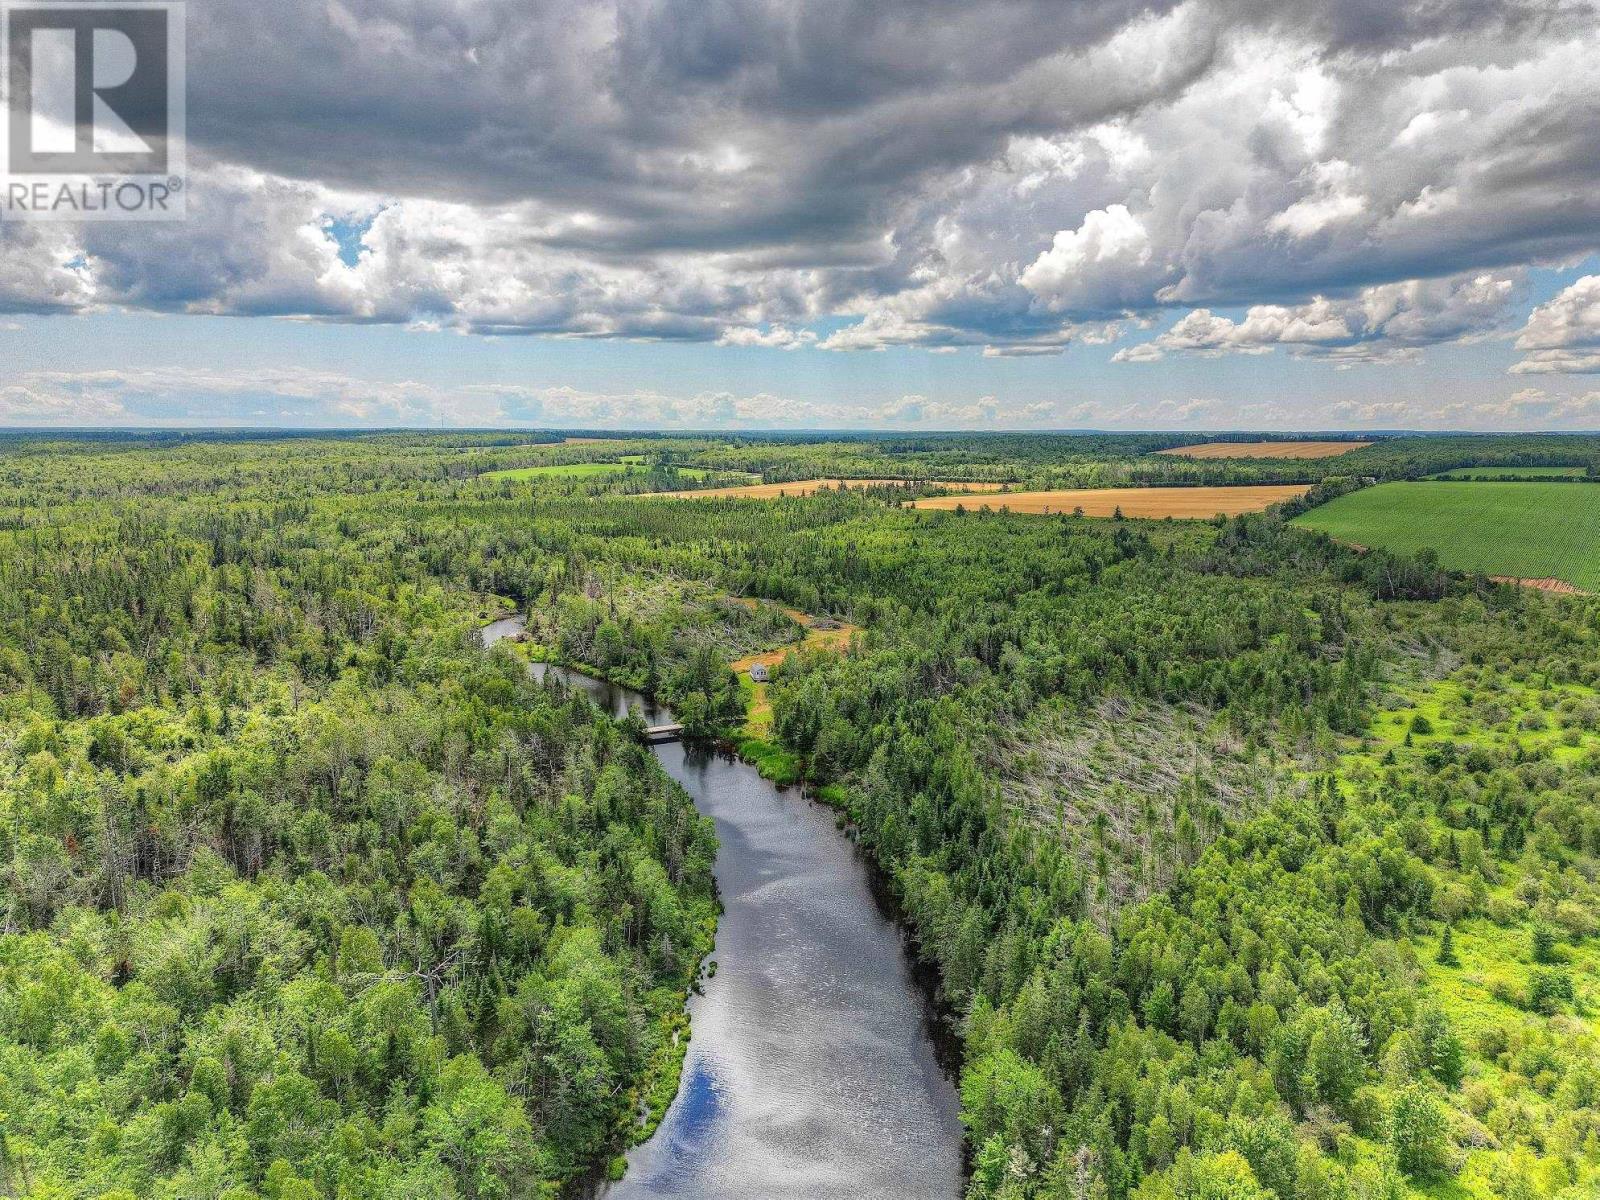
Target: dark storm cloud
point(1006, 173)
point(640, 113)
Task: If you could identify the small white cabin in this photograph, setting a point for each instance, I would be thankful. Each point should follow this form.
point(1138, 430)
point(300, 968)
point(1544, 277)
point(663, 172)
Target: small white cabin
point(759, 673)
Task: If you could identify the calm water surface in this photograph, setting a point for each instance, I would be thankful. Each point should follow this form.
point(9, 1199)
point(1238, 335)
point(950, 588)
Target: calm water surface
point(812, 1071)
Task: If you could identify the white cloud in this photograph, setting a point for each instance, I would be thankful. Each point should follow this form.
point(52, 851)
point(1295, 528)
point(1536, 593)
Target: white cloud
point(1144, 352)
point(1387, 323)
point(1559, 362)
point(307, 398)
point(1529, 408)
point(1006, 176)
point(1310, 106)
point(42, 270)
point(1428, 125)
point(778, 337)
point(1306, 217)
point(1562, 335)
point(302, 397)
point(1108, 240)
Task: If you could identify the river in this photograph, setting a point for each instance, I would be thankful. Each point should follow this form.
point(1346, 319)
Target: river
point(812, 1071)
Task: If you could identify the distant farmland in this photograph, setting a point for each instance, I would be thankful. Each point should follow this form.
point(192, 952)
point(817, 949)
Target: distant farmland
point(1522, 530)
point(582, 471)
point(805, 487)
point(1153, 502)
point(1265, 449)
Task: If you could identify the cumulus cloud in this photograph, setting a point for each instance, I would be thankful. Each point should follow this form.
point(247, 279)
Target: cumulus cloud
point(271, 396)
point(307, 398)
point(1386, 323)
point(42, 270)
point(1528, 408)
point(1562, 335)
point(300, 397)
point(1108, 243)
point(1015, 175)
point(778, 336)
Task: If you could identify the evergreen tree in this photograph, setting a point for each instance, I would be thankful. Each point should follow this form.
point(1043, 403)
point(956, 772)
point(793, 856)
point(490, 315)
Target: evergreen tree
point(1446, 956)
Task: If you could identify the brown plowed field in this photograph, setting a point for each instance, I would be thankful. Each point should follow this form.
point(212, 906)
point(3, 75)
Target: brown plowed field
point(1152, 502)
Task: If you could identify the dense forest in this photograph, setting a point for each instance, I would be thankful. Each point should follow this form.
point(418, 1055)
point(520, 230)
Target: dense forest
point(1412, 458)
point(1202, 984)
point(305, 894)
point(1251, 866)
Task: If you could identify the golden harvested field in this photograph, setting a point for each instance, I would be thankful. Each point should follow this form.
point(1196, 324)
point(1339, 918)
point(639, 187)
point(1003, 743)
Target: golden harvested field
point(1265, 449)
point(804, 487)
point(1152, 502)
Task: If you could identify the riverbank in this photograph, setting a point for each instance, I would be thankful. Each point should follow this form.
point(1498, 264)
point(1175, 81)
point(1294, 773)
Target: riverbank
point(754, 741)
point(659, 1084)
point(818, 1065)
point(751, 740)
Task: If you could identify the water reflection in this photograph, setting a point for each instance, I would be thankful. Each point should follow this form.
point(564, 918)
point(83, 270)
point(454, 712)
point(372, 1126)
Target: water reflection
point(689, 1139)
point(811, 1072)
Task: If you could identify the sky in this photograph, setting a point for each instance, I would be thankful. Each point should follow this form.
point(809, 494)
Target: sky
point(947, 214)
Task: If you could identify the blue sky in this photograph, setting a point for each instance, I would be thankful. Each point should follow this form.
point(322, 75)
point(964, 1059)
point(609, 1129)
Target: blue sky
point(1209, 214)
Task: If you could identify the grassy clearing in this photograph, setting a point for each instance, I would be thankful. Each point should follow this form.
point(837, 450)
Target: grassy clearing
point(1514, 719)
point(1265, 449)
point(1508, 1055)
point(772, 762)
point(1504, 472)
point(1525, 530)
point(1151, 502)
point(758, 720)
point(754, 742)
point(1506, 1116)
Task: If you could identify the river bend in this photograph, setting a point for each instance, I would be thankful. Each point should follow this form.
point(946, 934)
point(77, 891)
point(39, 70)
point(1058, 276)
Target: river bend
point(812, 1071)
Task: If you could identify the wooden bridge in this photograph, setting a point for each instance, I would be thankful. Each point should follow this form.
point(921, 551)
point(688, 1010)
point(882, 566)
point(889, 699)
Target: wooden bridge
point(663, 733)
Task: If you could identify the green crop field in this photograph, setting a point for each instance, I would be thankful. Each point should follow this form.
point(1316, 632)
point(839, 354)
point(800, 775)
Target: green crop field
point(1503, 472)
point(1530, 530)
point(581, 471)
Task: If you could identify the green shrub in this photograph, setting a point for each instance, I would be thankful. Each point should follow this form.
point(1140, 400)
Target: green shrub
point(1547, 989)
point(1417, 1132)
point(1542, 945)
